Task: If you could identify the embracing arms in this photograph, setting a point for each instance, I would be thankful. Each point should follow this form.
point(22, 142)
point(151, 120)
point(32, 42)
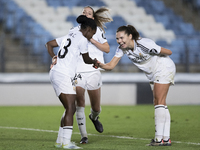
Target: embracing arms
point(103, 47)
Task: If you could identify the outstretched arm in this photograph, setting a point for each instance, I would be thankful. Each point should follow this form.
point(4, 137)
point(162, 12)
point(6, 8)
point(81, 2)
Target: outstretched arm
point(111, 64)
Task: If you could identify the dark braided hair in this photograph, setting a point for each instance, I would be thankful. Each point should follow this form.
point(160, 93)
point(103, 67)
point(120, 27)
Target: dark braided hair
point(129, 29)
point(86, 22)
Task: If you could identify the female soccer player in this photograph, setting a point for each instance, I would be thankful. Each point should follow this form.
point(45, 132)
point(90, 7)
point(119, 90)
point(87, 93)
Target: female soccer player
point(89, 78)
point(159, 69)
point(62, 73)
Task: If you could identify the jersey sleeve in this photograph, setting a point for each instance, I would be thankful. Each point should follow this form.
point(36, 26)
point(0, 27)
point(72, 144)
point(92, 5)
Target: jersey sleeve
point(101, 36)
point(119, 52)
point(153, 47)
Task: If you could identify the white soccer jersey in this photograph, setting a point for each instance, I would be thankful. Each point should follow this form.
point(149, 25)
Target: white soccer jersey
point(145, 57)
point(94, 52)
point(71, 46)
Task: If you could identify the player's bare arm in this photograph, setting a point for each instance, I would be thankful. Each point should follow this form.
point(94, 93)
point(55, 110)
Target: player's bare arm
point(50, 45)
point(103, 47)
point(111, 64)
point(165, 51)
point(88, 60)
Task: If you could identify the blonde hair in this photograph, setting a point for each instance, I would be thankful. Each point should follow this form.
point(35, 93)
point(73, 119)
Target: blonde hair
point(101, 16)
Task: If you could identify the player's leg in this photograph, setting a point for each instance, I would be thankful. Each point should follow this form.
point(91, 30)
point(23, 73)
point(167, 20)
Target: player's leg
point(59, 139)
point(166, 133)
point(95, 97)
point(80, 113)
point(68, 101)
point(160, 93)
point(94, 83)
point(63, 84)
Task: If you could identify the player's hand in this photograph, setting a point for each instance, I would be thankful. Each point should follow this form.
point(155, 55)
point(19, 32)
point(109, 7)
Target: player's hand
point(54, 61)
point(96, 64)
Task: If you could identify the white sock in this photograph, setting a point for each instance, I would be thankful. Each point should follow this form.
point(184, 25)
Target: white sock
point(80, 118)
point(94, 114)
point(67, 133)
point(159, 121)
point(166, 134)
point(60, 135)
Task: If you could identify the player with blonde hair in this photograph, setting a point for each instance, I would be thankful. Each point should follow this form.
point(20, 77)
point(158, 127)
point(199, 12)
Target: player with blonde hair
point(89, 78)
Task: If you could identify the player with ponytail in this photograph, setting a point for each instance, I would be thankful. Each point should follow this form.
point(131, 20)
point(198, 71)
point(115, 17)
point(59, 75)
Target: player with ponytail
point(160, 70)
point(89, 78)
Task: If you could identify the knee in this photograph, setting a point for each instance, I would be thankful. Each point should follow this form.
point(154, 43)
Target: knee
point(80, 101)
point(159, 101)
point(71, 109)
point(96, 108)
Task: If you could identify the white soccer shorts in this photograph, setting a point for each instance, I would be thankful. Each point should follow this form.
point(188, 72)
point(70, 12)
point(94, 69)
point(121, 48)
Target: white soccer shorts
point(62, 83)
point(165, 76)
point(89, 80)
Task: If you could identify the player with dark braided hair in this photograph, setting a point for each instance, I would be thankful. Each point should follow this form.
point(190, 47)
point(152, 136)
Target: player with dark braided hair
point(63, 70)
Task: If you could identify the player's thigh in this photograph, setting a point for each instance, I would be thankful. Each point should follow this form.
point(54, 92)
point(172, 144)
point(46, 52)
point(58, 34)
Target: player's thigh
point(160, 93)
point(68, 101)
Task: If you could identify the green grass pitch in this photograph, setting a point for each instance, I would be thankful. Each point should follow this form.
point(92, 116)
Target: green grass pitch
point(125, 128)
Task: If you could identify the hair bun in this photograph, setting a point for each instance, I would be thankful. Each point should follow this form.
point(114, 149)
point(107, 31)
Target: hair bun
point(81, 19)
point(85, 22)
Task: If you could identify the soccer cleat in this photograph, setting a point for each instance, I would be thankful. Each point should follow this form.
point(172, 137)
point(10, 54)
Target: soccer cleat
point(155, 143)
point(84, 140)
point(58, 145)
point(71, 145)
point(167, 143)
point(97, 124)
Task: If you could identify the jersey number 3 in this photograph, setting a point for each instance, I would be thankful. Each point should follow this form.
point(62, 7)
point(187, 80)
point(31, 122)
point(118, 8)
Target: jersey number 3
point(65, 48)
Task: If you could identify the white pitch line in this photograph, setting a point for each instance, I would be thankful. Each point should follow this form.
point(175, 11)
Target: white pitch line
point(113, 136)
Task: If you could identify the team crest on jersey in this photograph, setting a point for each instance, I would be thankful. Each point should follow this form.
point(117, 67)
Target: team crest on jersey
point(136, 58)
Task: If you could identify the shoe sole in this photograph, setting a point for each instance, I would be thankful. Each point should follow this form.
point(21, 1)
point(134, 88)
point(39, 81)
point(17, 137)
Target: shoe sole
point(58, 146)
point(167, 144)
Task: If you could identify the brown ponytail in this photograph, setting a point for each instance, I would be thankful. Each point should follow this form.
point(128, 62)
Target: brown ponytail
point(129, 29)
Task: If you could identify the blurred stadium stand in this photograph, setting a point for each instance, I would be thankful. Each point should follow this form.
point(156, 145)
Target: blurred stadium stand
point(27, 25)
